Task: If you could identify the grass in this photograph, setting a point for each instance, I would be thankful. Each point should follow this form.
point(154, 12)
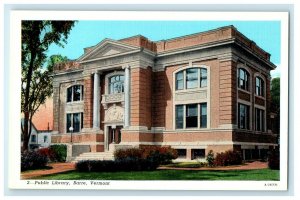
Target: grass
point(260, 174)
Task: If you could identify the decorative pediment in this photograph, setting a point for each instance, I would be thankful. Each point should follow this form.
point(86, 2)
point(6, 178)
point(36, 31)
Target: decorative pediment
point(105, 49)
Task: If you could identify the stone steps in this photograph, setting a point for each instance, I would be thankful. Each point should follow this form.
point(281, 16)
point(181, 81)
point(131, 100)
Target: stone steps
point(95, 156)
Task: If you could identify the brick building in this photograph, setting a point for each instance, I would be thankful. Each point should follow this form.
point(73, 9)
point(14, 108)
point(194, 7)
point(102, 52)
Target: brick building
point(200, 92)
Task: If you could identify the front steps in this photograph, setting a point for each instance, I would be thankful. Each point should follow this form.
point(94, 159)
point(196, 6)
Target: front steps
point(95, 156)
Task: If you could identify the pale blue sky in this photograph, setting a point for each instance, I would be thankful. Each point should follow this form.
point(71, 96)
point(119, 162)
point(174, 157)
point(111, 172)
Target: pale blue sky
point(266, 34)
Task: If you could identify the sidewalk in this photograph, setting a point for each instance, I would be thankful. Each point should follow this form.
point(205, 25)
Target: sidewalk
point(57, 168)
point(63, 167)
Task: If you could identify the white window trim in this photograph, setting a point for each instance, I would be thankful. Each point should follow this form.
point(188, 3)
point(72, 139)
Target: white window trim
point(108, 76)
point(240, 101)
point(81, 94)
point(247, 69)
point(81, 125)
point(198, 101)
point(265, 118)
point(257, 74)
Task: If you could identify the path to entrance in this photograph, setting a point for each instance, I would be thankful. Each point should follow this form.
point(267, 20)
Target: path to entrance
point(63, 167)
point(56, 168)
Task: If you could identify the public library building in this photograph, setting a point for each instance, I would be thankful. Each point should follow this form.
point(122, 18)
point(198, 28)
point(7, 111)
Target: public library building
point(195, 93)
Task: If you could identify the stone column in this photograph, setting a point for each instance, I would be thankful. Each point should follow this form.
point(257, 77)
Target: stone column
point(96, 101)
point(127, 97)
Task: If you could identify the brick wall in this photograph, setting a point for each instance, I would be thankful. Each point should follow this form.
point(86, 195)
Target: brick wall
point(141, 97)
point(227, 92)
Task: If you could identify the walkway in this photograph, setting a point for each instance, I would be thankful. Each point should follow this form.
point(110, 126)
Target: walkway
point(56, 168)
point(63, 167)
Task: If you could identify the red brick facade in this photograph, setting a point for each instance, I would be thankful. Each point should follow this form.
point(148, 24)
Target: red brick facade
point(152, 94)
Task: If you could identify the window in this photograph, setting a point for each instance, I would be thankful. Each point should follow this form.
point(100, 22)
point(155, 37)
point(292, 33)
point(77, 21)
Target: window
point(116, 84)
point(191, 116)
point(179, 80)
point(33, 138)
point(181, 153)
point(74, 120)
point(75, 93)
point(179, 116)
point(243, 79)
point(203, 77)
point(259, 119)
point(259, 86)
point(198, 153)
point(192, 77)
point(203, 115)
point(45, 139)
point(243, 116)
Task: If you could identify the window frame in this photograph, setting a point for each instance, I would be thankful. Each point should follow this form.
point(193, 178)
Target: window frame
point(112, 83)
point(262, 123)
point(72, 122)
point(198, 80)
point(184, 117)
point(72, 93)
point(259, 89)
point(246, 79)
point(247, 116)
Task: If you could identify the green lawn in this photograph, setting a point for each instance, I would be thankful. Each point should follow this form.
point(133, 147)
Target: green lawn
point(260, 174)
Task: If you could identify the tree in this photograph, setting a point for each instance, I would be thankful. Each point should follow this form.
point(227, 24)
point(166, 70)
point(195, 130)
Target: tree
point(36, 86)
point(275, 104)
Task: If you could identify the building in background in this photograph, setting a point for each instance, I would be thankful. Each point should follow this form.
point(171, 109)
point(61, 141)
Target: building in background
point(195, 93)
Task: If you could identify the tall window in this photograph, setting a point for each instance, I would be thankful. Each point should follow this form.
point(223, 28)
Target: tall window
point(243, 116)
point(179, 116)
point(192, 77)
point(259, 119)
point(259, 86)
point(116, 84)
point(179, 80)
point(243, 79)
point(75, 93)
point(191, 116)
point(195, 116)
point(74, 120)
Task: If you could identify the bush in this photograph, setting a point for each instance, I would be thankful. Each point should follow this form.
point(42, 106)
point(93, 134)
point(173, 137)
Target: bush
point(274, 160)
point(48, 152)
point(161, 155)
point(128, 164)
point(59, 151)
point(33, 160)
point(210, 158)
point(228, 158)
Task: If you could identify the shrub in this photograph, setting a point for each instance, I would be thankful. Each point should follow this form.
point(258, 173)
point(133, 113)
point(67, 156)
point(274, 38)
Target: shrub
point(210, 158)
point(33, 160)
point(128, 164)
point(161, 155)
point(48, 152)
point(59, 151)
point(274, 159)
point(228, 158)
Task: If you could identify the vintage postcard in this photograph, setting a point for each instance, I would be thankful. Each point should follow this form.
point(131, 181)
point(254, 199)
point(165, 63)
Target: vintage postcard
point(148, 100)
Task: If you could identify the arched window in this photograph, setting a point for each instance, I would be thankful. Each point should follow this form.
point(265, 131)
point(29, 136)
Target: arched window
point(243, 79)
point(191, 78)
point(116, 84)
point(75, 93)
point(259, 86)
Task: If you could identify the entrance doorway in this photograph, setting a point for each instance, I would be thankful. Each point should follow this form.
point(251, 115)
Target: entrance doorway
point(114, 134)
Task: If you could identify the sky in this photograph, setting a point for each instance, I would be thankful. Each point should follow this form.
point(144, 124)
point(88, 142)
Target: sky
point(265, 34)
